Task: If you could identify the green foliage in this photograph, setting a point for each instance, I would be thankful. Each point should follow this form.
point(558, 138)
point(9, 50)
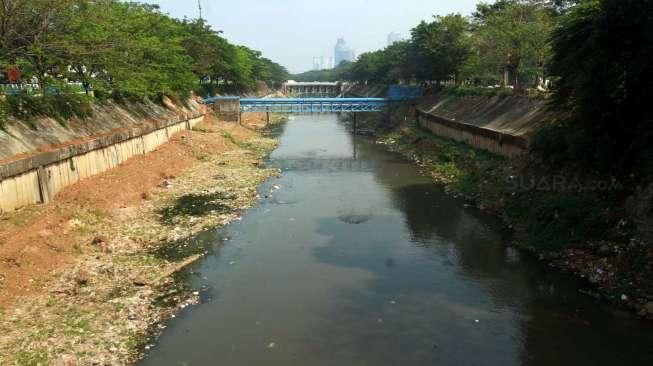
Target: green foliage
point(545, 217)
point(511, 40)
point(120, 50)
point(329, 75)
point(464, 91)
point(505, 43)
point(604, 76)
point(222, 67)
point(458, 164)
point(4, 114)
point(440, 48)
point(61, 107)
point(562, 143)
point(557, 220)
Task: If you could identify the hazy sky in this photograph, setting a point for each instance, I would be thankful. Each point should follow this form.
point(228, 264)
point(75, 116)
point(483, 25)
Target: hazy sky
point(292, 32)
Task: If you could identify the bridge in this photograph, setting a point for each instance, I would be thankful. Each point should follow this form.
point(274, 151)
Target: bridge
point(232, 107)
point(296, 105)
point(312, 89)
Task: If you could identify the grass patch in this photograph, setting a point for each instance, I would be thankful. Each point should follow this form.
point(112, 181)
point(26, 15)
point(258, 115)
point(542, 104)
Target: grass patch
point(455, 163)
point(85, 221)
point(75, 323)
point(230, 138)
point(466, 91)
point(35, 358)
point(556, 220)
point(4, 115)
point(61, 107)
point(135, 341)
point(547, 219)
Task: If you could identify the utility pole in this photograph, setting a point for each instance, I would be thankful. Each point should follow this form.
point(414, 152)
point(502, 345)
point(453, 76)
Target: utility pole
point(199, 6)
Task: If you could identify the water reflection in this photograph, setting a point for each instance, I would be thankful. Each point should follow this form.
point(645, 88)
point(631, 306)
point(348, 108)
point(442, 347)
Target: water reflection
point(359, 260)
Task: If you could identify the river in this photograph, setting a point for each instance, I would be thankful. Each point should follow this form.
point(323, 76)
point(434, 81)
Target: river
point(353, 258)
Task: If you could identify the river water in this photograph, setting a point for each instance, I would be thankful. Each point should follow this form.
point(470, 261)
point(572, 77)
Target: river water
point(356, 259)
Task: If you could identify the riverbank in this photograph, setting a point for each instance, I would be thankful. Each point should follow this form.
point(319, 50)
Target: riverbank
point(578, 222)
point(83, 281)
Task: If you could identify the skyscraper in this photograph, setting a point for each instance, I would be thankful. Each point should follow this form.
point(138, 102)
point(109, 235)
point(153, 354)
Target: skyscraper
point(343, 52)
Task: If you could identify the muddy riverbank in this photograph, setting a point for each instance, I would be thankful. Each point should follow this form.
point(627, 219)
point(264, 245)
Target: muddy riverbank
point(107, 285)
point(553, 212)
point(354, 257)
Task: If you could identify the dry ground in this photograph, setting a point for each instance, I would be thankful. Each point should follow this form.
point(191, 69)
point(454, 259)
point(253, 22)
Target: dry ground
point(78, 278)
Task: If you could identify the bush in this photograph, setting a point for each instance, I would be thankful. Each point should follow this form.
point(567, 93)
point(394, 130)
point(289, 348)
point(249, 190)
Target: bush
point(464, 91)
point(563, 144)
point(563, 220)
point(602, 73)
point(61, 107)
point(4, 114)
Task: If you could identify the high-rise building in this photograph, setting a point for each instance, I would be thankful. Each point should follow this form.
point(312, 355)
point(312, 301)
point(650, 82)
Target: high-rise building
point(322, 63)
point(394, 37)
point(343, 52)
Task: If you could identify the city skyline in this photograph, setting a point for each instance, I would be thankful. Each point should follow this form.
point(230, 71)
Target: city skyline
point(342, 52)
point(270, 28)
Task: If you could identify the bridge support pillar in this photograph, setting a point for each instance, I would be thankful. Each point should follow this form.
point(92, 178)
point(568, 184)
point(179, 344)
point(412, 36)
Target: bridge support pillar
point(227, 109)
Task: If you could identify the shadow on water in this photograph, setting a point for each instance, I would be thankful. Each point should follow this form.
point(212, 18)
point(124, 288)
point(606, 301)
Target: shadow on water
point(520, 298)
point(354, 258)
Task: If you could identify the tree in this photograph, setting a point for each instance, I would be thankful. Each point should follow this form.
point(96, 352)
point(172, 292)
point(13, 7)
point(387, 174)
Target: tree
point(604, 76)
point(439, 49)
point(29, 34)
point(513, 37)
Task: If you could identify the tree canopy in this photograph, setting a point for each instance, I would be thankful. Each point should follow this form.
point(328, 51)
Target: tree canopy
point(504, 43)
point(602, 52)
point(125, 49)
point(594, 57)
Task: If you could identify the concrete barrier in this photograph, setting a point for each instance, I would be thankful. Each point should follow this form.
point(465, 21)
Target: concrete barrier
point(227, 109)
point(38, 178)
point(483, 138)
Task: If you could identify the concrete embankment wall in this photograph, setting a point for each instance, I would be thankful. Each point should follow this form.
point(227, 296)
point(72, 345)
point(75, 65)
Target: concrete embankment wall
point(500, 124)
point(494, 141)
point(36, 176)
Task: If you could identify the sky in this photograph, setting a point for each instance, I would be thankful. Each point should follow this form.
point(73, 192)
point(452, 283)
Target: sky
point(292, 32)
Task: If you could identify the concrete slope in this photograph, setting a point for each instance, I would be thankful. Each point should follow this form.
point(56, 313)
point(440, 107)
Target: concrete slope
point(22, 138)
point(514, 115)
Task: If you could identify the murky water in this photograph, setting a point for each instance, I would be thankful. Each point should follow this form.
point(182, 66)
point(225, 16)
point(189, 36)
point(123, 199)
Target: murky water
point(358, 260)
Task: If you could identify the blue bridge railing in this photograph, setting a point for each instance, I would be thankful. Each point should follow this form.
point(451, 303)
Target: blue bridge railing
point(305, 105)
point(313, 105)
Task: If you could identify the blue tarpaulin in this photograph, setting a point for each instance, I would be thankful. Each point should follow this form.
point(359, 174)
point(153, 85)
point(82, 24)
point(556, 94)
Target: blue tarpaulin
point(402, 92)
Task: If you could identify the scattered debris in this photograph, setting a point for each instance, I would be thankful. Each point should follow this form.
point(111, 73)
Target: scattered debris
point(103, 306)
point(83, 277)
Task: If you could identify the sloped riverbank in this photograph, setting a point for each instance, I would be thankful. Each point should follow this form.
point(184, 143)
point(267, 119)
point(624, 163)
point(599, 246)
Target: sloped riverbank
point(580, 223)
point(83, 281)
point(353, 257)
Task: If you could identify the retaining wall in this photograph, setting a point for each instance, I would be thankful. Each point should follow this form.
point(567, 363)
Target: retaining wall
point(484, 138)
point(38, 178)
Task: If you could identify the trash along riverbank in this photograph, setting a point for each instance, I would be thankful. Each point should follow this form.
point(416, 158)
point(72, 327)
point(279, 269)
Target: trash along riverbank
point(109, 288)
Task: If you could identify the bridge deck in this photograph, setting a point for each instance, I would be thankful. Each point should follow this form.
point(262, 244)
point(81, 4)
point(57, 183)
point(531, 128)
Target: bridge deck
point(305, 105)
